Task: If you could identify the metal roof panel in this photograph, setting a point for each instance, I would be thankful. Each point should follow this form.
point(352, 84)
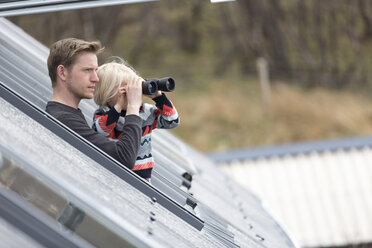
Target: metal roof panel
point(322, 197)
point(13, 8)
point(90, 186)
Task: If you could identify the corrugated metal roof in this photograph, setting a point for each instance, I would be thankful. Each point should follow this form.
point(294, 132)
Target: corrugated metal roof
point(26, 222)
point(11, 236)
point(319, 191)
point(291, 149)
point(231, 216)
point(23, 7)
point(80, 180)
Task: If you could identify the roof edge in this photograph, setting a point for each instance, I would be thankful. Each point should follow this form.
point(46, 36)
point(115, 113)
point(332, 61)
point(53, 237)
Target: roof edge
point(292, 149)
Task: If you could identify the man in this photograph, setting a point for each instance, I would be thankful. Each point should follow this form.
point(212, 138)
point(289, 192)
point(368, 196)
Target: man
point(72, 65)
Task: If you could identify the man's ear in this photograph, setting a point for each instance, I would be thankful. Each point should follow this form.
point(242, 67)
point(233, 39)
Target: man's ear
point(62, 72)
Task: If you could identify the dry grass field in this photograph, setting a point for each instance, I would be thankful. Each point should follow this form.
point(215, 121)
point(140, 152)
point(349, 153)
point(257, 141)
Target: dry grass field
point(223, 114)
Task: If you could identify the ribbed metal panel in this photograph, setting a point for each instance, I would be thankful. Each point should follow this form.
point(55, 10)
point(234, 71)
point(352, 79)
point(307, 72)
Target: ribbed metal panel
point(322, 197)
point(11, 236)
point(61, 174)
point(24, 7)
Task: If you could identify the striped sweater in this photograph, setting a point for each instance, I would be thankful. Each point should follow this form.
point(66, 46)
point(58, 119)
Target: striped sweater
point(109, 122)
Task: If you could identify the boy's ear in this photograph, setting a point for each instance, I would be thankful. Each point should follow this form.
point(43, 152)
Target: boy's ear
point(62, 72)
point(123, 89)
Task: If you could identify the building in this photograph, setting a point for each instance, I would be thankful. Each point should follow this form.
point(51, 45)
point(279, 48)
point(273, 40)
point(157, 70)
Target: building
point(320, 192)
point(58, 190)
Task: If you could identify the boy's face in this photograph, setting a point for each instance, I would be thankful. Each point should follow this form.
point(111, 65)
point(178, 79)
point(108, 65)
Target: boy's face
point(82, 76)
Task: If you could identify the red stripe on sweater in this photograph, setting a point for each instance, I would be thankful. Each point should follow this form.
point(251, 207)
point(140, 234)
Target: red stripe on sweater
point(147, 131)
point(167, 111)
point(102, 121)
point(143, 166)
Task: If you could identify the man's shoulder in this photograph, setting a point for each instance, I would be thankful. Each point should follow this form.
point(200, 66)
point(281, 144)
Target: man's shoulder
point(59, 110)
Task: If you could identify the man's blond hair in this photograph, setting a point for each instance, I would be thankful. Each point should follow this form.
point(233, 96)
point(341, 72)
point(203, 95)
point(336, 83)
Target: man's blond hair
point(111, 76)
point(64, 52)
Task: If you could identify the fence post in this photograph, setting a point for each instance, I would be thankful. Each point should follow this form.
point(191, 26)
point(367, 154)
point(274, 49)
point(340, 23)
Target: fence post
point(263, 73)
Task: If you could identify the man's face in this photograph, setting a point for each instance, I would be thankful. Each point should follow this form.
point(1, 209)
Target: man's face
point(82, 76)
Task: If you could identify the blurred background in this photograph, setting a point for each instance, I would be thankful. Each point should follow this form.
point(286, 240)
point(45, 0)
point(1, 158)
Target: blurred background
point(259, 74)
point(248, 73)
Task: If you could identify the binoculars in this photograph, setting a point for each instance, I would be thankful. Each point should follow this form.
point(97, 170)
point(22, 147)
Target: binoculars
point(151, 86)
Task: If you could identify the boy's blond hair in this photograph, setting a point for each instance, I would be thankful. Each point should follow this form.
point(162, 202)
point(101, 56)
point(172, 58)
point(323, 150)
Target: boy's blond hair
point(111, 75)
point(64, 52)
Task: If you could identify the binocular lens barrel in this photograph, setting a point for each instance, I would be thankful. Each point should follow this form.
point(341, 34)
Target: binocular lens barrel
point(166, 84)
point(151, 86)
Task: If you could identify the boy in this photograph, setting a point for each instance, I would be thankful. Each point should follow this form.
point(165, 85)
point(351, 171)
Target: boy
point(109, 119)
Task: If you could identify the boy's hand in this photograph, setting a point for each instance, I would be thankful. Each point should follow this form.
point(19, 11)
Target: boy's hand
point(158, 93)
point(121, 101)
point(134, 94)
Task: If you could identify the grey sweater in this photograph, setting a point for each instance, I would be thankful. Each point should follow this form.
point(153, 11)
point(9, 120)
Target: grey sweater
point(125, 150)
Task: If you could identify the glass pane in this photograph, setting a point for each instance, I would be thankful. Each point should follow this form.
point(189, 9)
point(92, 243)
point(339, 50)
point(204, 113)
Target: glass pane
point(55, 204)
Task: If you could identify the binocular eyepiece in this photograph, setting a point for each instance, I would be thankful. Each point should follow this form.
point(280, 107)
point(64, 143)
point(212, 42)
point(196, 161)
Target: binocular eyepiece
point(151, 86)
